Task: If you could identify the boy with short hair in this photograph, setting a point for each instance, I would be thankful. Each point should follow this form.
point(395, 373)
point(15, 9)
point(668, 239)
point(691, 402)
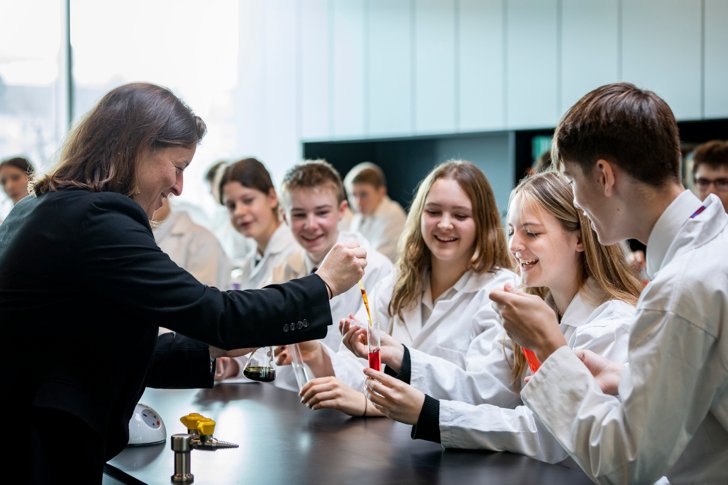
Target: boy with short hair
point(377, 217)
point(710, 170)
point(312, 197)
point(620, 147)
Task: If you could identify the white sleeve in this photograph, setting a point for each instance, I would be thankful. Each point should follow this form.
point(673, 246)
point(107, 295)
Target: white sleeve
point(487, 377)
point(665, 394)
point(464, 425)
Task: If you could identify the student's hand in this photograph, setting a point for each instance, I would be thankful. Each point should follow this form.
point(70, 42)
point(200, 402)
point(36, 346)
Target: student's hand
point(343, 266)
point(394, 398)
point(225, 368)
point(529, 321)
point(354, 337)
point(331, 393)
point(310, 350)
point(605, 372)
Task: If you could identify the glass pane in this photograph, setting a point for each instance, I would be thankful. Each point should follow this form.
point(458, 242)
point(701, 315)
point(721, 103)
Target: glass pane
point(31, 120)
point(183, 45)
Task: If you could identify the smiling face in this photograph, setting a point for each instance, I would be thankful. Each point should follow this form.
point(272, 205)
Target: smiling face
point(252, 212)
point(546, 253)
point(447, 223)
point(14, 182)
point(313, 215)
point(160, 173)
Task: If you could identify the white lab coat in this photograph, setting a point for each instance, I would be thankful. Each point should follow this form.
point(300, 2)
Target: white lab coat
point(280, 246)
point(459, 322)
point(194, 248)
point(298, 264)
point(671, 416)
point(496, 419)
point(382, 228)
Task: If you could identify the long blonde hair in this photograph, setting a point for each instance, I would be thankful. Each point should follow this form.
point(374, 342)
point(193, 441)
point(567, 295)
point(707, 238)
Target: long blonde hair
point(490, 252)
point(606, 265)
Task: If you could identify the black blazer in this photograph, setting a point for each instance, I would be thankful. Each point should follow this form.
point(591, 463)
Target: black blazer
point(83, 290)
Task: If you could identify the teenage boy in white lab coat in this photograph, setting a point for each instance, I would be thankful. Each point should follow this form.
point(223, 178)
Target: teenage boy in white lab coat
point(312, 196)
point(620, 147)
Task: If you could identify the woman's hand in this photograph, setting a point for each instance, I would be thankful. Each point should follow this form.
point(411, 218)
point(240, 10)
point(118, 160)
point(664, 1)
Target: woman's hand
point(394, 398)
point(354, 337)
point(331, 393)
point(225, 368)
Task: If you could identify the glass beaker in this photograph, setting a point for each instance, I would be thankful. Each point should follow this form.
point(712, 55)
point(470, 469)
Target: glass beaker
point(261, 366)
point(373, 339)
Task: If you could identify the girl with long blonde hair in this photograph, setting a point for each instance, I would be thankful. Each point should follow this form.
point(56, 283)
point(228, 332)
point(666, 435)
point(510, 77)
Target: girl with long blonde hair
point(590, 287)
point(453, 252)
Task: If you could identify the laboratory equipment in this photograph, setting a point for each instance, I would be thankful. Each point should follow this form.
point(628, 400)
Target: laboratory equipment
point(373, 339)
point(146, 427)
point(261, 365)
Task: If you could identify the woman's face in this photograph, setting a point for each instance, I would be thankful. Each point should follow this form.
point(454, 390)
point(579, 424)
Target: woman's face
point(251, 211)
point(447, 223)
point(546, 253)
point(14, 181)
point(160, 174)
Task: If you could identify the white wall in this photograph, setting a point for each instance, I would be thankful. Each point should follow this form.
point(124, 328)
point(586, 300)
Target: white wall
point(344, 69)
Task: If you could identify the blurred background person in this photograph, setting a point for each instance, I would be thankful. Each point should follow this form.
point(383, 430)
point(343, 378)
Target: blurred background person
point(15, 173)
point(253, 210)
point(377, 217)
point(192, 246)
point(235, 244)
point(710, 170)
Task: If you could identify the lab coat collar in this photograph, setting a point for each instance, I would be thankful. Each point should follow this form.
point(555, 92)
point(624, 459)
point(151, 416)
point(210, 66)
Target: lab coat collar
point(280, 240)
point(669, 225)
point(589, 297)
point(469, 282)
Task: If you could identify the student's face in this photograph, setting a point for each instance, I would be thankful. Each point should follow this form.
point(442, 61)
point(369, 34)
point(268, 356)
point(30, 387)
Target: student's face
point(160, 174)
point(366, 198)
point(14, 182)
point(546, 253)
point(251, 211)
point(314, 215)
point(709, 180)
point(589, 198)
point(447, 223)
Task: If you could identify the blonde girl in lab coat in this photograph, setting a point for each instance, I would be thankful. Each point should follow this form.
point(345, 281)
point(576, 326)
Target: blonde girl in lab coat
point(590, 287)
point(453, 253)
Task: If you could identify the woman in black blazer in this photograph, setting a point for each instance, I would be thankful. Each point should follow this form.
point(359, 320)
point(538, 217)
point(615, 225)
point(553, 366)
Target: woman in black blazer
point(84, 288)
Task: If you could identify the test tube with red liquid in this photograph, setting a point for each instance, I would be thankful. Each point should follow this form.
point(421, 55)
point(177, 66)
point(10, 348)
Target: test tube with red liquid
point(375, 357)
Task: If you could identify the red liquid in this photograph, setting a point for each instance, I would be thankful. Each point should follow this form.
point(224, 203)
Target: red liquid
point(532, 360)
point(375, 360)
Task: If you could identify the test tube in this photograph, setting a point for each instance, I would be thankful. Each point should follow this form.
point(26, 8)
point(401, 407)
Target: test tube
point(375, 358)
point(300, 370)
